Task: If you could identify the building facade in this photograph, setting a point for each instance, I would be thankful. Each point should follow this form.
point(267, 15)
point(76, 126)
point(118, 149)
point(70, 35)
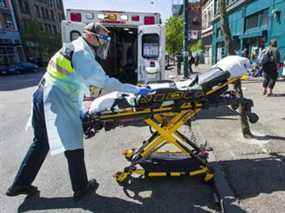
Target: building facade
point(194, 21)
point(39, 23)
point(253, 23)
point(207, 29)
point(11, 50)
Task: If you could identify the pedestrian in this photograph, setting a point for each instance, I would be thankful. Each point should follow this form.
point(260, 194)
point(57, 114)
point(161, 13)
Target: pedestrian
point(270, 58)
point(58, 109)
point(190, 61)
point(245, 53)
point(196, 60)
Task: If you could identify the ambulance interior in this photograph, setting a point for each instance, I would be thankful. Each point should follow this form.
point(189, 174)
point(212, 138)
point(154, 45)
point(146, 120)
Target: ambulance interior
point(122, 60)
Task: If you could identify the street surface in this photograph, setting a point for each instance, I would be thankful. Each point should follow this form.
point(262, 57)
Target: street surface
point(103, 158)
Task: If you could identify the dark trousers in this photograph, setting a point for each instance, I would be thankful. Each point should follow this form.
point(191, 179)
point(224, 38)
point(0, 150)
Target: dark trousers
point(39, 149)
point(269, 80)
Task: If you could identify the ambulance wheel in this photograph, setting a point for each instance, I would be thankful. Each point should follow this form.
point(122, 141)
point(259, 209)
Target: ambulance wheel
point(122, 178)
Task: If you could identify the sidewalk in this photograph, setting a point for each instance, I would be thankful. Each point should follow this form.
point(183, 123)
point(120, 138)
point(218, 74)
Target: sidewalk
point(254, 168)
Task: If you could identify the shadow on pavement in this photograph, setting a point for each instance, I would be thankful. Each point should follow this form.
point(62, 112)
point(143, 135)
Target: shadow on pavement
point(268, 137)
point(251, 177)
point(218, 113)
point(15, 82)
point(166, 196)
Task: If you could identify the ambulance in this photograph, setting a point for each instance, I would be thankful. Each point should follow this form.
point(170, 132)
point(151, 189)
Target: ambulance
point(137, 49)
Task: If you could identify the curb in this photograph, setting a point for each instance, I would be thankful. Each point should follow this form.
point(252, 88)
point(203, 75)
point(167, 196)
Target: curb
point(227, 199)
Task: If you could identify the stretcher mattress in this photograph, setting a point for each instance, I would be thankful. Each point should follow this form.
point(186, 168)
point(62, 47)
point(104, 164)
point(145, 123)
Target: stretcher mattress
point(164, 93)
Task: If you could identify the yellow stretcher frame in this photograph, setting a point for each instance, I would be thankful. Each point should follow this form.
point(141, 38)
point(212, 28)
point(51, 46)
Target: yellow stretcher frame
point(165, 126)
point(165, 122)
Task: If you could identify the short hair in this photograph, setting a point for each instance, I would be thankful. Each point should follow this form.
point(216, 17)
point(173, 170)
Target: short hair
point(273, 43)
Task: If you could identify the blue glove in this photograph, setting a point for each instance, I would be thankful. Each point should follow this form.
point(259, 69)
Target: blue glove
point(144, 91)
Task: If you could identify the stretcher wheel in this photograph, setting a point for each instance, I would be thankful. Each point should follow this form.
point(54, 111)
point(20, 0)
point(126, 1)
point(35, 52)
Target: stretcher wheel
point(234, 106)
point(129, 153)
point(122, 177)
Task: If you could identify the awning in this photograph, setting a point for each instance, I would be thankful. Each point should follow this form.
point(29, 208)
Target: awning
point(252, 34)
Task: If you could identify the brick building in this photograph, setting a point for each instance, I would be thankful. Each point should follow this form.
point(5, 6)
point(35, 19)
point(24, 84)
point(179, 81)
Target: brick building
point(11, 50)
point(39, 23)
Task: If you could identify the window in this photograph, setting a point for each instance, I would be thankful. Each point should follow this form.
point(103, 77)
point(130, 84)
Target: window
point(52, 15)
point(264, 18)
point(219, 33)
point(54, 29)
point(3, 3)
point(74, 35)
point(7, 55)
point(257, 20)
point(38, 10)
point(26, 7)
point(43, 12)
point(251, 21)
point(47, 13)
point(150, 43)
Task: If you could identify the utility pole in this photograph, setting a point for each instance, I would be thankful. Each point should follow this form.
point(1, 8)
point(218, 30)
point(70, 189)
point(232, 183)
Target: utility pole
point(185, 42)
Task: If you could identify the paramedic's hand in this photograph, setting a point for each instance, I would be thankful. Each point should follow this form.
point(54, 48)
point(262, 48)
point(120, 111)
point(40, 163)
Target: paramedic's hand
point(144, 91)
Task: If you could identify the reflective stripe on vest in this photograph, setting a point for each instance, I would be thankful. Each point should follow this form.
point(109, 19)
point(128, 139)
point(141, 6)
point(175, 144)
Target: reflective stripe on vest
point(60, 64)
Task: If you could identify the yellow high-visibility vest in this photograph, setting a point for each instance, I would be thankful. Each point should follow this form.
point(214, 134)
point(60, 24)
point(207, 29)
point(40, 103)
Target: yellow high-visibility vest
point(60, 65)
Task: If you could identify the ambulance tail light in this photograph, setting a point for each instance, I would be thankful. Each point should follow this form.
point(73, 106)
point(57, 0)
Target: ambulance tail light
point(76, 17)
point(149, 20)
point(135, 18)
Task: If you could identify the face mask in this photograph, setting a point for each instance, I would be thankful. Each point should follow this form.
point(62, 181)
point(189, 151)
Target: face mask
point(103, 48)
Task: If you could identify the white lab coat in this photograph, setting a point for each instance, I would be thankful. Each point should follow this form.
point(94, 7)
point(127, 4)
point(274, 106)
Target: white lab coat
point(63, 99)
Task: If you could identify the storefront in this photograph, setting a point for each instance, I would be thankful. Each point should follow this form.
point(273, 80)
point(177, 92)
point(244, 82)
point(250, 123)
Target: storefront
point(253, 24)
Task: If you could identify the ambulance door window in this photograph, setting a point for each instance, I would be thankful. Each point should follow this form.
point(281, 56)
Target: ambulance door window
point(150, 44)
point(74, 35)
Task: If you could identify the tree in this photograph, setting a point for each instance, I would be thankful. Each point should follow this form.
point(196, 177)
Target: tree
point(174, 35)
point(229, 45)
point(196, 46)
point(44, 43)
point(230, 50)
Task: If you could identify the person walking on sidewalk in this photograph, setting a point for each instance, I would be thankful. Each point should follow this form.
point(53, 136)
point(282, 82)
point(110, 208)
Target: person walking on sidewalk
point(58, 109)
point(271, 58)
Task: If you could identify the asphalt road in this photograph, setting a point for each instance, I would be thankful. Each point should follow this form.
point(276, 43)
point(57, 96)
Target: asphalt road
point(103, 159)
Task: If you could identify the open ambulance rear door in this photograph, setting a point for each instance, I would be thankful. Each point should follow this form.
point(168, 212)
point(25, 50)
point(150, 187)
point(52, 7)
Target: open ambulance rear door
point(151, 52)
point(71, 30)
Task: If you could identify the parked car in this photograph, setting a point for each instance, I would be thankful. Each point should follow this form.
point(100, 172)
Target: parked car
point(23, 68)
point(8, 70)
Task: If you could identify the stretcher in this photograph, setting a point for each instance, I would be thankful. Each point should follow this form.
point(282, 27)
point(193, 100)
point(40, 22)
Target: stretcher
point(165, 110)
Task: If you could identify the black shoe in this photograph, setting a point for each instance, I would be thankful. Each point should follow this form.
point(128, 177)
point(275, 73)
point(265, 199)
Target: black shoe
point(18, 190)
point(89, 189)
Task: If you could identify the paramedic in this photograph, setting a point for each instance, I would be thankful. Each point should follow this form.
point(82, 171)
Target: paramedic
point(58, 109)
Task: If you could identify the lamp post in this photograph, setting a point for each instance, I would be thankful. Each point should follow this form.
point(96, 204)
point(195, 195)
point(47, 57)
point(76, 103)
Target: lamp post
point(185, 42)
